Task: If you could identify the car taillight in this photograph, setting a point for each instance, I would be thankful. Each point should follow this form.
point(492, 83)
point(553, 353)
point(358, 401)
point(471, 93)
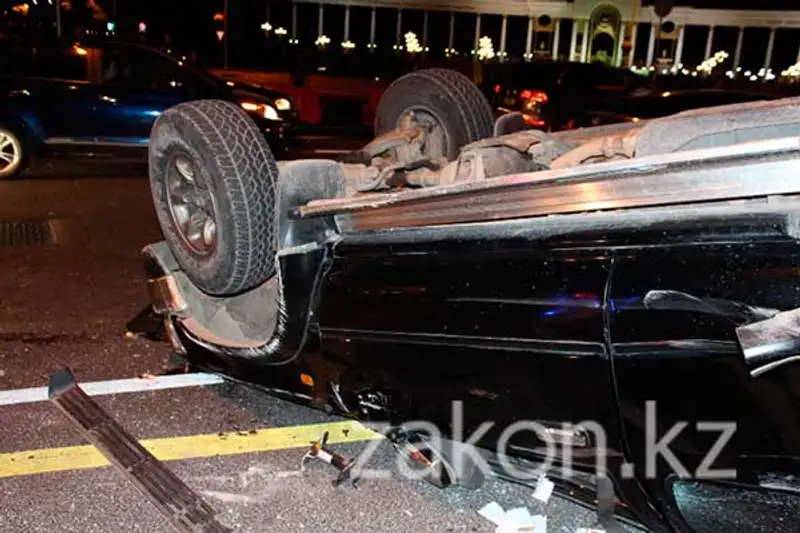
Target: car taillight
point(539, 97)
point(497, 89)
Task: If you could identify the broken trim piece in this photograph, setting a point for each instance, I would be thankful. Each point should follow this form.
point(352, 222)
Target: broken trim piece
point(185, 510)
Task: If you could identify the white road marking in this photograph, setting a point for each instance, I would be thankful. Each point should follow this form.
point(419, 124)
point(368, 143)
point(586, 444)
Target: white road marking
point(114, 386)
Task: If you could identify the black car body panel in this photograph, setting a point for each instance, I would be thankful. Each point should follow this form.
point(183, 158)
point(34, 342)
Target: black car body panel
point(556, 330)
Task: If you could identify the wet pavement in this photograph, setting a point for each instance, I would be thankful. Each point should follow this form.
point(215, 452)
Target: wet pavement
point(66, 301)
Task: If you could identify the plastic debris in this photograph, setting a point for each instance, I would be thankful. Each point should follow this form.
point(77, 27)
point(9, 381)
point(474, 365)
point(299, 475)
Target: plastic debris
point(543, 489)
point(518, 520)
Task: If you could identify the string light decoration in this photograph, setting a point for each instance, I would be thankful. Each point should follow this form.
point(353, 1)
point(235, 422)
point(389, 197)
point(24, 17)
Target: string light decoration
point(322, 41)
point(792, 72)
point(485, 49)
point(348, 44)
point(412, 43)
point(707, 66)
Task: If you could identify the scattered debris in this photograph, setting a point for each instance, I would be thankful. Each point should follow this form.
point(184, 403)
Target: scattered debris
point(518, 520)
point(590, 530)
point(543, 489)
point(148, 376)
point(340, 462)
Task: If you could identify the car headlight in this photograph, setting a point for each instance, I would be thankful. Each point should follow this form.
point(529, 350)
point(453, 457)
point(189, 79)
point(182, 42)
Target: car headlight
point(264, 110)
point(283, 104)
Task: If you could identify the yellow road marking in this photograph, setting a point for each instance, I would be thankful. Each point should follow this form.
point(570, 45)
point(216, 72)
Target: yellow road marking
point(187, 447)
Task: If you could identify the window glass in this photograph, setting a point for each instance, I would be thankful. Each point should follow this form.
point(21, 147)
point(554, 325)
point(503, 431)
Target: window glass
point(135, 68)
point(22, 58)
point(15, 58)
point(66, 64)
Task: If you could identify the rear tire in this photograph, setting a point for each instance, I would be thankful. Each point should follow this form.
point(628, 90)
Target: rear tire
point(13, 153)
point(214, 182)
point(450, 99)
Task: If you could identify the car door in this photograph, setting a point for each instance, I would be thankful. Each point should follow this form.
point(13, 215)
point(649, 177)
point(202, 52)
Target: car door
point(49, 87)
point(510, 328)
point(134, 86)
point(690, 404)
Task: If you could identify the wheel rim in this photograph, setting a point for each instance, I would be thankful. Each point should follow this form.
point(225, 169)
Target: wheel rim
point(10, 152)
point(436, 141)
point(191, 206)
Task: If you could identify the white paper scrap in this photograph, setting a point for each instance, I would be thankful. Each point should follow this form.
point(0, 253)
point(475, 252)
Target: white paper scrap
point(544, 489)
point(493, 513)
point(515, 520)
point(520, 521)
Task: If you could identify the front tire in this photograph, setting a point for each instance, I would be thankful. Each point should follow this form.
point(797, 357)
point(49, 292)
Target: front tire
point(214, 182)
point(13, 153)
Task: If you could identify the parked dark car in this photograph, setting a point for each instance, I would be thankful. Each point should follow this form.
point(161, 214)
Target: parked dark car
point(102, 97)
point(625, 297)
point(550, 94)
point(661, 104)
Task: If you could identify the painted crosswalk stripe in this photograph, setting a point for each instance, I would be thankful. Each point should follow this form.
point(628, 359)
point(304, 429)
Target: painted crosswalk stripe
point(115, 386)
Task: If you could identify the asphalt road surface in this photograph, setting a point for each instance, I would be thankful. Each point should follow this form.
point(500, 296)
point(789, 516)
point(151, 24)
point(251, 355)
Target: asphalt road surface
point(65, 300)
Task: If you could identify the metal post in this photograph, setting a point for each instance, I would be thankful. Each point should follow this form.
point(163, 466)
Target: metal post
point(503, 30)
point(398, 29)
point(585, 43)
point(709, 41)
point(737, 56)
point(58, 17)
point(651, 44)
point(679, 47)
point(529, 39)
point(320, 20)
point(372, 27)
point(573, 40)
point(632, 53)
point(346, 23)
point(424, 29)
point(620, 41)
point(225, 40)
point(556, 38)
point(770, 47)
point(294, 20)
point(451, 36)
point(477, 35)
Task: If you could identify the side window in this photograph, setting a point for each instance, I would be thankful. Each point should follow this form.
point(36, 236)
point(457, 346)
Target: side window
point(137, 69)
point(48, 62)
point(15, 58)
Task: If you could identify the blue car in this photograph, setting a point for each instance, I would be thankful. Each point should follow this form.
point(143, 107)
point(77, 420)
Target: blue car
point(102, 98)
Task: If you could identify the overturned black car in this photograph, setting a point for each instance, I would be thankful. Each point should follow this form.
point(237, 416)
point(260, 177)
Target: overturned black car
point(612, 307)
